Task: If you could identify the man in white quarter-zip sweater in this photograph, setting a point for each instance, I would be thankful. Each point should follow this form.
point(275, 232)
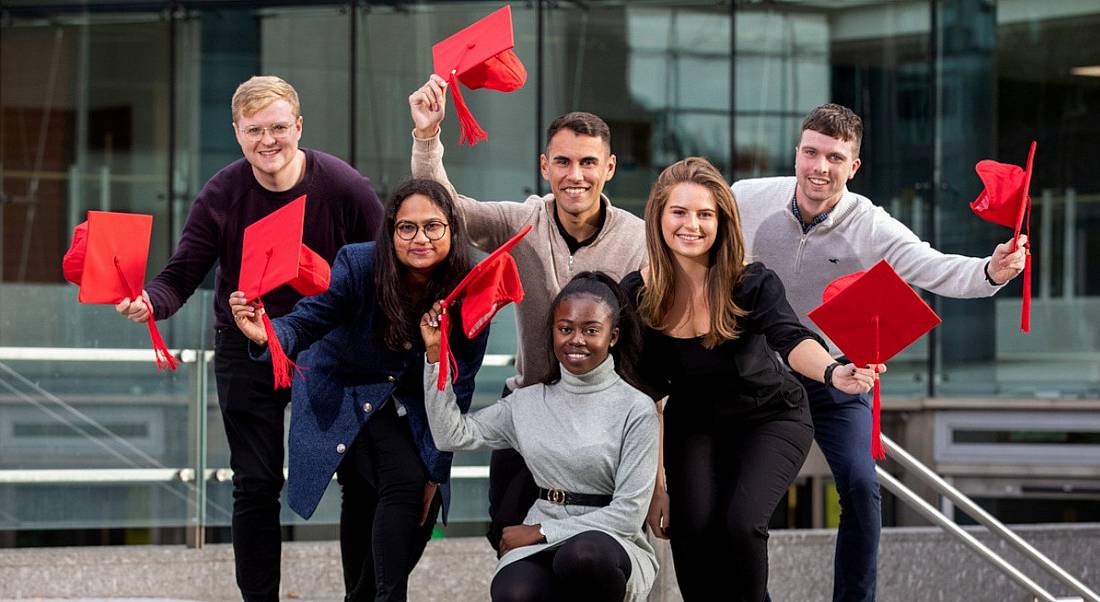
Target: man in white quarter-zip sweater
point(810, 229)
point(576, 229)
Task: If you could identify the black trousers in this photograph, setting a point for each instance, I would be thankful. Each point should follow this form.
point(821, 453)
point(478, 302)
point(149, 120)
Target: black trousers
point(253, 414)
point(725, 479)
point(512, 490)
point(382, 479)
point(590, 566)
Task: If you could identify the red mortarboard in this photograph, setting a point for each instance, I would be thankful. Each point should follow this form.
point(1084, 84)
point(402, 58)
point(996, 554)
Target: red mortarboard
point(479, 56)
point(273, 254)
point(488, 287)
point(107, 260)
point(871, 316)
point(1005, 201)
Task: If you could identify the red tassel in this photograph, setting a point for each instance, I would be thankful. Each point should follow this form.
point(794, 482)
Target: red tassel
point(1025, 311)
point(877, 451)
point(469, 131)
point(280, 363)
point(446, 358)
point(165, 359)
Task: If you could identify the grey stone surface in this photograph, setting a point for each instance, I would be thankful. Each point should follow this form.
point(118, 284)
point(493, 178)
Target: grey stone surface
point(916, 563)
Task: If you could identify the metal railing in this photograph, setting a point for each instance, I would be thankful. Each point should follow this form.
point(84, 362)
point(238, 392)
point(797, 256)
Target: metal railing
point(961, 501)
point(197, 486)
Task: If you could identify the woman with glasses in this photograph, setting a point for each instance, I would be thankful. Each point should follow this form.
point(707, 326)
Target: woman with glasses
point(358, 399)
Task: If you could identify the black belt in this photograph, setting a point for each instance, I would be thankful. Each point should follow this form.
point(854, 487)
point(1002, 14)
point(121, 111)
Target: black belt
point(568, 498)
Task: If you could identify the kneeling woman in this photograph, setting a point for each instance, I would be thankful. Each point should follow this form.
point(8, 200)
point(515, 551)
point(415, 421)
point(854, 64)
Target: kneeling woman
point(737, 424)
point(590, 439)
point(359, 412)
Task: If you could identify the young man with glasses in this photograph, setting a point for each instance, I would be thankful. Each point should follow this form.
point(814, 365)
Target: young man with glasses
point(576, 229)
point(341, 208)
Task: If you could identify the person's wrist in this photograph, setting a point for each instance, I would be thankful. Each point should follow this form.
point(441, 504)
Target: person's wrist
point(829, 374)
point(426, 133)
point(989, 278)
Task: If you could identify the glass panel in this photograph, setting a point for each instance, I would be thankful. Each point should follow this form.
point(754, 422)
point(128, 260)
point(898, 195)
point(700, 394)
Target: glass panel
point(670, 61)
point(999, 95)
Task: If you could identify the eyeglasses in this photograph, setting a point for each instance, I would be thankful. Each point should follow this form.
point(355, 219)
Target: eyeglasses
point(409, 230)
point(278, 131)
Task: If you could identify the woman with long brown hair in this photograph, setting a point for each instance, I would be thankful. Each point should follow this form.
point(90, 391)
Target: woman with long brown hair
point(736, 427)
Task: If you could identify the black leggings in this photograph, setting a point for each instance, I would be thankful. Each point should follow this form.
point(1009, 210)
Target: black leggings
point(590, 566)
point(382, 479)
point(724, 482)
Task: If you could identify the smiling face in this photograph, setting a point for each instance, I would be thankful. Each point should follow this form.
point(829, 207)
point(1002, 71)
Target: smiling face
point(272, 159)
point(583, 334)
point(689, 221)
point(823, 166)
point(420, 254)
point(577, 167)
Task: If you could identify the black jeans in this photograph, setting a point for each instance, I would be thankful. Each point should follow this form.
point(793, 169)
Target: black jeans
point(590, 566)
point(382, 479)
point(253, 414)
point(725, 479)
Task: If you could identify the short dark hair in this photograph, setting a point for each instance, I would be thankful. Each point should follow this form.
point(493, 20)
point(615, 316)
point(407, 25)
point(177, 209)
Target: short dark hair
point(836, 121)
point(582, 123)
point(400, 321)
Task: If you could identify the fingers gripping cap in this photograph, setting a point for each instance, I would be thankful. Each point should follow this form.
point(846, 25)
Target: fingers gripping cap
point(479, 56)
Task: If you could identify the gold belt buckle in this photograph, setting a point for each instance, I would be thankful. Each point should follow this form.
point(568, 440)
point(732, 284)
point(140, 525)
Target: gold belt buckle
point(555, 496)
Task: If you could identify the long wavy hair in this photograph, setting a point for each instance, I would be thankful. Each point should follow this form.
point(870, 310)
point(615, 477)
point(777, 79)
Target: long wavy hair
point(401, 316)
point(626, 350)
point(726, 260)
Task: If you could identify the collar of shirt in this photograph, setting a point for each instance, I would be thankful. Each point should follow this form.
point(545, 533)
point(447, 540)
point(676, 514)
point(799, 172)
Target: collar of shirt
point(798, 216)
point(573, 243)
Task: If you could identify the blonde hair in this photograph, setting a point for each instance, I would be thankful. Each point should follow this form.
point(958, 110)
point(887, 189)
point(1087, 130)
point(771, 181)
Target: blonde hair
point(727, 255)
point(259, 92)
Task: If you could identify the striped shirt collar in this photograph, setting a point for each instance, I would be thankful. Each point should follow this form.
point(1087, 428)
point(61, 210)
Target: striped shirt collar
point(798, 216)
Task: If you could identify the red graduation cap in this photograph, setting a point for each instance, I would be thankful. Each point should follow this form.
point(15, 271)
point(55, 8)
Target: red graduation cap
point(491, 285)
point(479, 56)
point(107, 260)
point(871, 316)
point(1005, 201)
point(273, 254)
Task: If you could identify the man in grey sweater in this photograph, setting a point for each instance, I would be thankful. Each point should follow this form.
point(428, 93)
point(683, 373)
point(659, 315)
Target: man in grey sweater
point(576, 229)
point(810, 229)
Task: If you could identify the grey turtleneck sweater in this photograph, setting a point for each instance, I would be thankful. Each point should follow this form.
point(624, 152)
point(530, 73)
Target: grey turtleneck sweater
point(591, 433)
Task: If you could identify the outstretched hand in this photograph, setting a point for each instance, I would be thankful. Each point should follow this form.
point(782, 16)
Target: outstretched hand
point(429, 331)
point(1006, 264)
point(428, 105)
point(854, 380)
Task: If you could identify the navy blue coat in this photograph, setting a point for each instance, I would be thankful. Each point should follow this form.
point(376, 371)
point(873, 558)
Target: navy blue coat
point(348, 374)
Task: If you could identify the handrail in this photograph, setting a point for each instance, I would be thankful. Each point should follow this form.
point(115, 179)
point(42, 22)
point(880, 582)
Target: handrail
point(187, 356)
point(46, 476)
point(964, 503)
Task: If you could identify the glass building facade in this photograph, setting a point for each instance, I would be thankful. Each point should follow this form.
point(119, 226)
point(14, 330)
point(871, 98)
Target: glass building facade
point(124, 106)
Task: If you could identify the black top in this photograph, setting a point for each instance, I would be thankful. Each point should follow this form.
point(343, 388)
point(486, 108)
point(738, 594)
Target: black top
point(742, 374)
point(571, 242)
point(341, 208)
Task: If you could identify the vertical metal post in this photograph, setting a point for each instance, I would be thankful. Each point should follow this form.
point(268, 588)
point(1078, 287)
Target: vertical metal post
point(733, 91)
point(1069, 246)
point(196, 532)
point(539, 80)
point(933, 171)
point(1046, 230)
point(172, 90)
point(353, 68)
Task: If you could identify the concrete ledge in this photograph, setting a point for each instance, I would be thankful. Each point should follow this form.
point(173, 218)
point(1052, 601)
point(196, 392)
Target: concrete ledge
point(914, 564)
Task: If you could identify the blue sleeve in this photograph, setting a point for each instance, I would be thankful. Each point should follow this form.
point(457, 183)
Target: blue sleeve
point(314, 317)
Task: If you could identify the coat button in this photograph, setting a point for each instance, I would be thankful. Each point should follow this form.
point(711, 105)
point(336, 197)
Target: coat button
point(367, 407)
point(341, 448)
point(391, 378)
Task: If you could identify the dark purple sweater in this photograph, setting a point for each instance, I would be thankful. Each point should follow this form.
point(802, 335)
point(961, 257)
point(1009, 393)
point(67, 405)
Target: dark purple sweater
point(341, 208)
